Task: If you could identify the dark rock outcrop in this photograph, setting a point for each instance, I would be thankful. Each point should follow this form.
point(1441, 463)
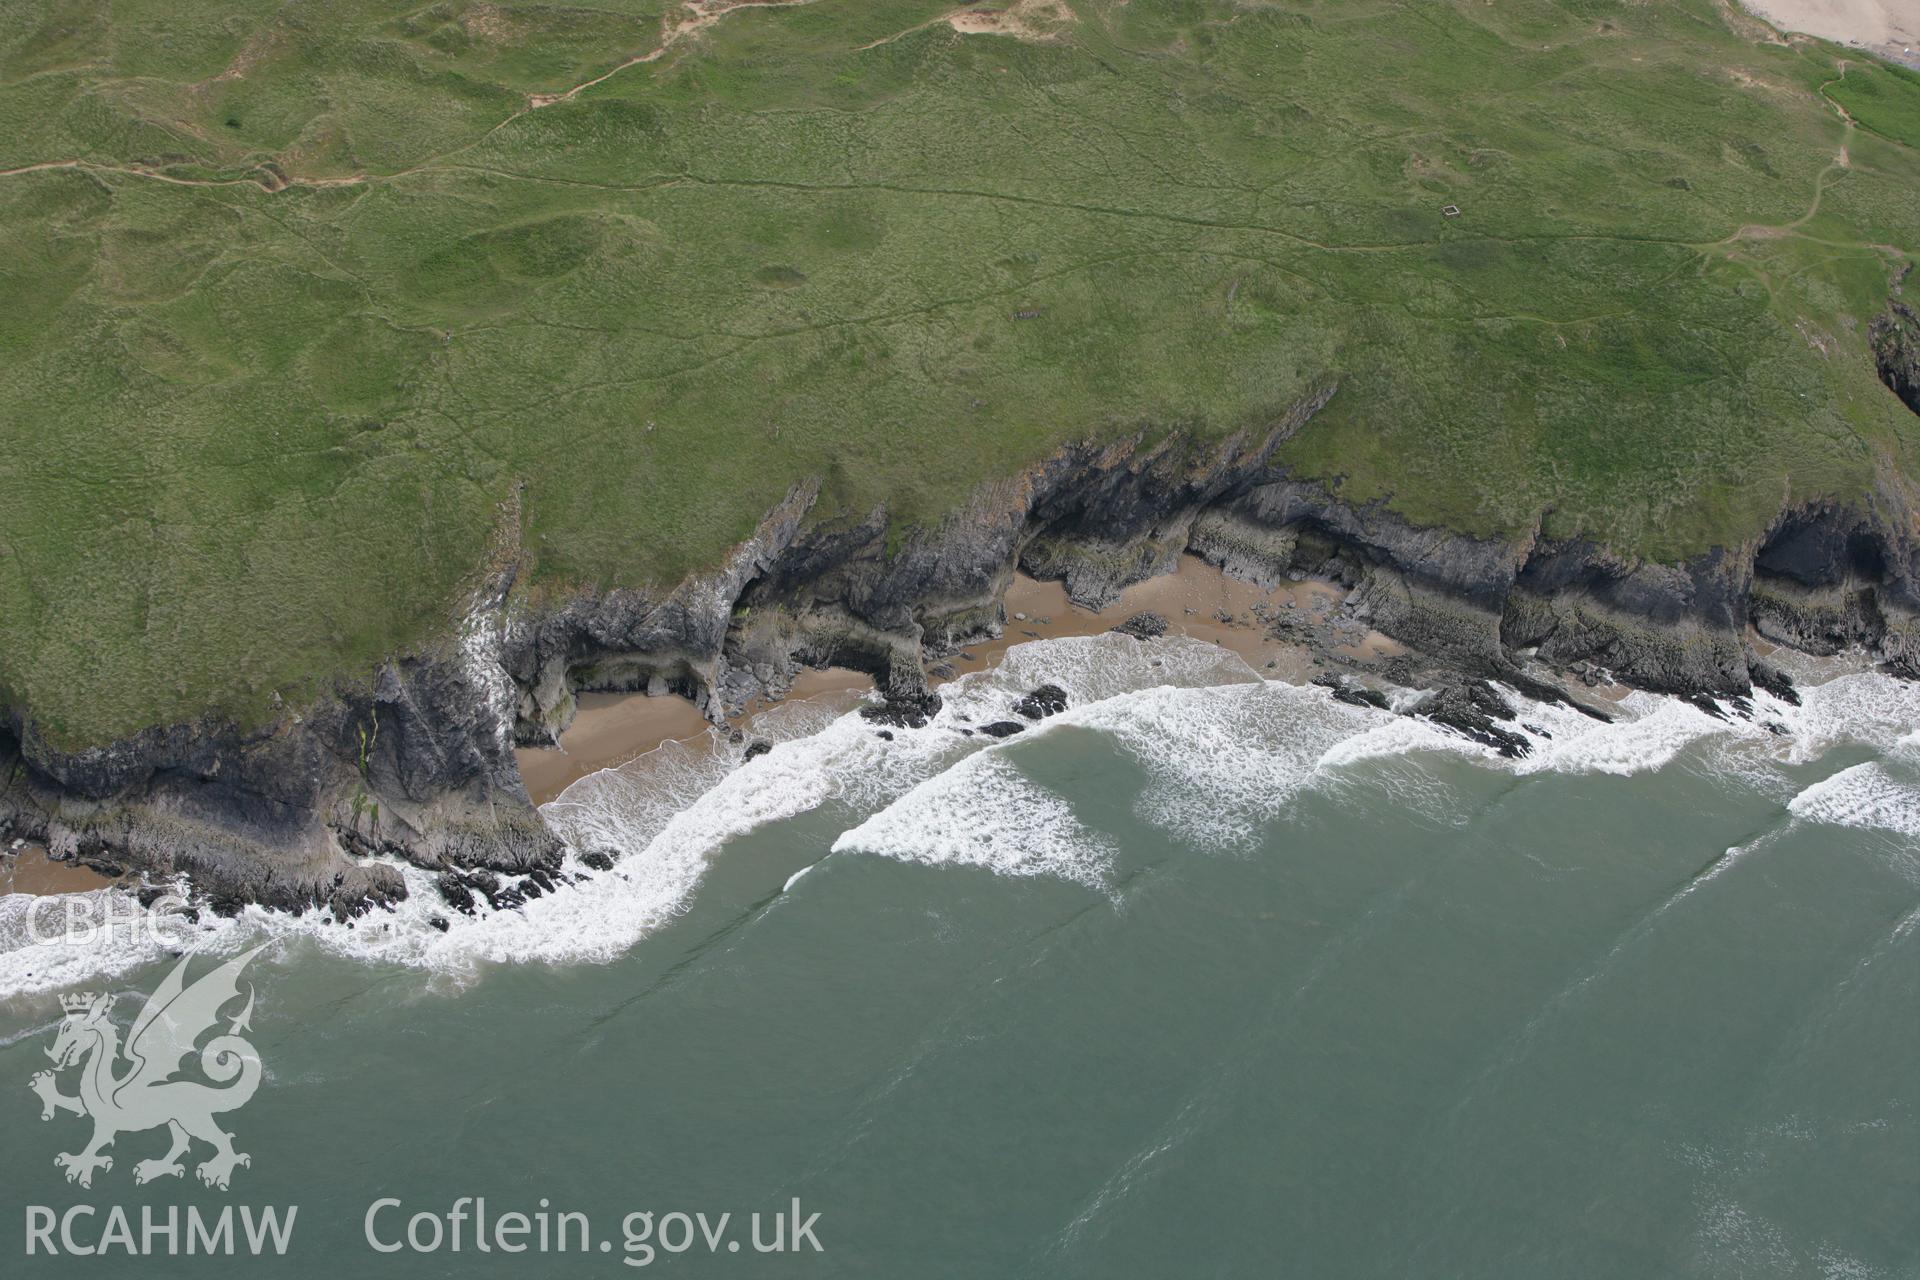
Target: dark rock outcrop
point(417, 762)
point(1038, 704)
point(907, 711)
point(1773, 680)
point(1895, 340)
point(455, 892)
point(1473, 710)
point(1003, 728)
point(1143, 626)
point(1354, 695)
point(1830, 578)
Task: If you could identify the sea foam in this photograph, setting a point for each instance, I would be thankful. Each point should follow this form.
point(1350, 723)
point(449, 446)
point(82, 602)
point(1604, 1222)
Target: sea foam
point(984, 813)
point(1866, 795)
point(1224, 753)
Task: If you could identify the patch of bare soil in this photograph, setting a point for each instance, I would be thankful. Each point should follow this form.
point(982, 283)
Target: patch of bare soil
point(694, 17)
point(1037, 20)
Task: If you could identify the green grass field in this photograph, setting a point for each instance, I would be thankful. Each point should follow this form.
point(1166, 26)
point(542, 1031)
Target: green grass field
point(296, 294)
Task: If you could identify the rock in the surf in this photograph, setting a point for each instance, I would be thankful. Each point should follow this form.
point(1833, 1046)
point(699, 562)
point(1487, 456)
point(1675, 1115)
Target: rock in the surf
point(1046, 700)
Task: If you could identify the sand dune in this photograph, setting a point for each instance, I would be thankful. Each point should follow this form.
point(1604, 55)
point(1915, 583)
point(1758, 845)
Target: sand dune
point(1889, 27)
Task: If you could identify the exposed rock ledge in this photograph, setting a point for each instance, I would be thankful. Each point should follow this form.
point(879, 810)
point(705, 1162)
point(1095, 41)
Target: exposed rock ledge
point(419, 763)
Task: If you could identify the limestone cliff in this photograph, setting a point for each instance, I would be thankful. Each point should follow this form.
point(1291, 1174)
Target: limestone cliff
point(418, 762)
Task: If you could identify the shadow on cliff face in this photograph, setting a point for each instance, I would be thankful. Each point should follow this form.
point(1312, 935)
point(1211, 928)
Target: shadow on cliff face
point(1895, 339)
point(418, 765)
point(1829, 578)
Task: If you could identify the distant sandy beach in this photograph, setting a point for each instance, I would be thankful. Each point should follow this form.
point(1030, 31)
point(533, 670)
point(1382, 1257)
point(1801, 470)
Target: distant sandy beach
point(1890, 28)
point(612, 728)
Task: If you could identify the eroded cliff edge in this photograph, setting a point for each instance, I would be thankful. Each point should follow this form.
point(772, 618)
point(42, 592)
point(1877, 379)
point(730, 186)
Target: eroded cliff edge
point(419, 764)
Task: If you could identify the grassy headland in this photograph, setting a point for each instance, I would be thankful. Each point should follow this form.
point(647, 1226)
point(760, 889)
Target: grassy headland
point(297, 294)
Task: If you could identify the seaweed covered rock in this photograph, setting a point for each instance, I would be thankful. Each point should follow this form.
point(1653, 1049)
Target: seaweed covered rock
point(1474, 710)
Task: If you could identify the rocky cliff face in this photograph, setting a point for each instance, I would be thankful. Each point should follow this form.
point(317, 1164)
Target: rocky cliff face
point(418, 764)
point(1895, 339)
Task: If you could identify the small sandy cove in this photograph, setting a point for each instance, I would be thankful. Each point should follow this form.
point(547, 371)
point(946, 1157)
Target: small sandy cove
point(26, 868)
point(612, 728)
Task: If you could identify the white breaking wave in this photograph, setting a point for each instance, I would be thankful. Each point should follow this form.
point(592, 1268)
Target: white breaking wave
point(1225, 753)
point(52, 941)
point(1390, 737)
point(1872, 710)
point(1648, 733)
point(1865, 795)
point(1223, 762)
point(984, 812)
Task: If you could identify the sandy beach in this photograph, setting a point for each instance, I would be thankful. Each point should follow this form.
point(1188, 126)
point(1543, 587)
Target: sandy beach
point(1890, 28)
point(612, 728)
point(608, 729)
point(1198, 600)
point(28, 869)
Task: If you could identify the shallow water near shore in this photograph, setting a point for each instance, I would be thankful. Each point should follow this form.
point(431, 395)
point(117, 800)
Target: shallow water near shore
point(1208, 974)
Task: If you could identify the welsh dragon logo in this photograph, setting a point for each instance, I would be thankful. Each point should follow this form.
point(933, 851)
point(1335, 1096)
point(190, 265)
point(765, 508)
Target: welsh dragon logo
point(146, 1094)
